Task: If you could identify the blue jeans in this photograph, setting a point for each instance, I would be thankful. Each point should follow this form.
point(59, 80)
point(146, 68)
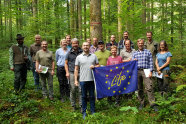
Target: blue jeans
point(88, 86)
point(36, 75)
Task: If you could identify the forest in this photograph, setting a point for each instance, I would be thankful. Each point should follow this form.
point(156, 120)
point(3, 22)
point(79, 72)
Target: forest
point(82, 19)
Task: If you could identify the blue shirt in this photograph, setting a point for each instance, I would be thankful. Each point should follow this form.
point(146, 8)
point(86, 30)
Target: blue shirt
point(162, 59)
point(60, 57)
point(144, 59)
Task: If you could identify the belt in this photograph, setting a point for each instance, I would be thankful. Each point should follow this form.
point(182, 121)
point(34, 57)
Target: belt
point(141, 69)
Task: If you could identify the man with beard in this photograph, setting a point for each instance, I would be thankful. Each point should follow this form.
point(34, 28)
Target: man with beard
point(121, 44)
point(94, 47)
point(45, 58)
point(85, 62)
point(19, 56)
point(75, 91)
point(33, 50)
point(68, 39)
point(111, 43)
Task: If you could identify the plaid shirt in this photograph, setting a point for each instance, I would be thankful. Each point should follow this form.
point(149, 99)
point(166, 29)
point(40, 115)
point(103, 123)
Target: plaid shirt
point(144, 58)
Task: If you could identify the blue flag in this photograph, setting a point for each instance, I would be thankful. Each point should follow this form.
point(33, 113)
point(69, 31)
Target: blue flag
point(116, 79)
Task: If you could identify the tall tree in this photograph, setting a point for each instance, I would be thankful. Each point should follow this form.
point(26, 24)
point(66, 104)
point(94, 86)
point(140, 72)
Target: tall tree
point(72, 17)
point(79, 19)
point(34, 9)
point(10, 20)
point(1, 23)
point(95, 19)
point(119, 20)
point(85, 20)
point(172, 20)
point(68, 17)
point(143, 16)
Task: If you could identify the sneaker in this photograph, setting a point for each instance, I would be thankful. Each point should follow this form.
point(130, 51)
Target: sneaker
point(155, 108)
point(62, 100)
point(51, 98)
point(84, 115)
point(140, 106)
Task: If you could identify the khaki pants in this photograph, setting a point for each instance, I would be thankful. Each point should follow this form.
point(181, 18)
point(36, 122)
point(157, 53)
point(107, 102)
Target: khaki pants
point(75, 91)
point(49, 79)
point(148, 86)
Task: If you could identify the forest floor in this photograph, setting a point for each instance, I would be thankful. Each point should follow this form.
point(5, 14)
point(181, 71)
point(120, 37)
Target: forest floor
point(30, 107)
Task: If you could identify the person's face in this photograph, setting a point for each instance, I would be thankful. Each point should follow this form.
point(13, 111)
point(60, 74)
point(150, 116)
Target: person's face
point(20, 41)
point(114, 51)
point(86, 47)
point(112, 38)
point(101, 47)
point(64, 43)
point(126, 35)
point(162, 46)
point(127, 45)
point(141, 44)
point(44, 46)
point(95, 41)
point(149, 36)
point(68, 39)
point(89, 41)
point(75, 45)
point(38, 39)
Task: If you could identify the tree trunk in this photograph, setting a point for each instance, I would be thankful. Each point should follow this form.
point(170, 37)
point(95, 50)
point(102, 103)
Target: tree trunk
point(79, 19)
point(10, 20)
point(85, 19)
point(72, 18)
point(5, 19)
point(1, 23)
point(152, 15)
point(172, 19)
point(68, 18)
point(119, 20)
point(56, 13)
point(95, 19)
point(144, 14)
point(34, 9)
point(148, 14)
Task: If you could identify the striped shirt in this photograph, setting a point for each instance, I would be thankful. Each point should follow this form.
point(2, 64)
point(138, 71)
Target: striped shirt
point(144, 59)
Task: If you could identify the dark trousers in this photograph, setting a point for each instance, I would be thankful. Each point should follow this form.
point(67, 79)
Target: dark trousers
point(63, 83)
point(35, 75)
point(20, 75)
point(163, 84)
point(88, 86)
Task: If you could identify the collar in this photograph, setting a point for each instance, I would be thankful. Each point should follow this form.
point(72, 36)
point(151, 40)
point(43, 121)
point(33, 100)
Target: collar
point(150, 42)
point(86, 54)
point(79, 50)
point(37, 44)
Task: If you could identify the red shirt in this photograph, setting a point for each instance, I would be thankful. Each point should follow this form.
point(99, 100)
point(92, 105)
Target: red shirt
point(114, 61)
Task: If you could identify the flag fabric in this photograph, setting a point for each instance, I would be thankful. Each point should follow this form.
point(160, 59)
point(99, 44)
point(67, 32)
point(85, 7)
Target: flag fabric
point(116, 79)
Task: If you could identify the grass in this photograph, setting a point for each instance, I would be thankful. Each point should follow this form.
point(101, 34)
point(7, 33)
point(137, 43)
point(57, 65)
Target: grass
point(29, 107)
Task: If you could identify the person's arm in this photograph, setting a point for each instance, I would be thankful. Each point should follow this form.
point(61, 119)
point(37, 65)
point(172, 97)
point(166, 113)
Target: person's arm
point(96, 63)
point(37, 67)
point(53, 68)
point(66, 69)
point(11, 54)
point(157, 66)
point(166, 64)
point(76, 70)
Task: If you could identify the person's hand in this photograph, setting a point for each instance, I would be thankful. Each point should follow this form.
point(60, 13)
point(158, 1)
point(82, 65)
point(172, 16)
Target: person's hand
point(150, 75)
point(158, 69)
point(12, 69)
point(159, 72)
point(25, 57)
point(39, 70)
point(92, 66)
point(67, 75)
point(135, 59)
point(52, 73)
point(76, 83)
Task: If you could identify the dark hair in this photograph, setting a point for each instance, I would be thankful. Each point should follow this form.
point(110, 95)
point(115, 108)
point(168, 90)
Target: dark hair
point(125, 32)
point(165, 44)
point(149, 32)
point(67, 36)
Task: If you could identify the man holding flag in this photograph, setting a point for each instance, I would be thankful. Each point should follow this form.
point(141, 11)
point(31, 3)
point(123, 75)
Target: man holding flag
point(86, 62)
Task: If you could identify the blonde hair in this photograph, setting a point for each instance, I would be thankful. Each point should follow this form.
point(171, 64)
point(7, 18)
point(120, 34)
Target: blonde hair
point(114, 47)
point(62, 41)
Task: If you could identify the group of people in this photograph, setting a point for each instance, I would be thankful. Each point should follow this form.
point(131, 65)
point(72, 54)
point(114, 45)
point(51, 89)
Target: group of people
point(75, 64)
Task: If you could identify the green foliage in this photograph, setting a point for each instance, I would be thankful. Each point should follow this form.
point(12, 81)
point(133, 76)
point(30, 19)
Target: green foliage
point(134, 109)
point(180, 88)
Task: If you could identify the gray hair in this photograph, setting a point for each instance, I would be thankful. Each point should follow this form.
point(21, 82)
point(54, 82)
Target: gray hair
point(75, 39)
